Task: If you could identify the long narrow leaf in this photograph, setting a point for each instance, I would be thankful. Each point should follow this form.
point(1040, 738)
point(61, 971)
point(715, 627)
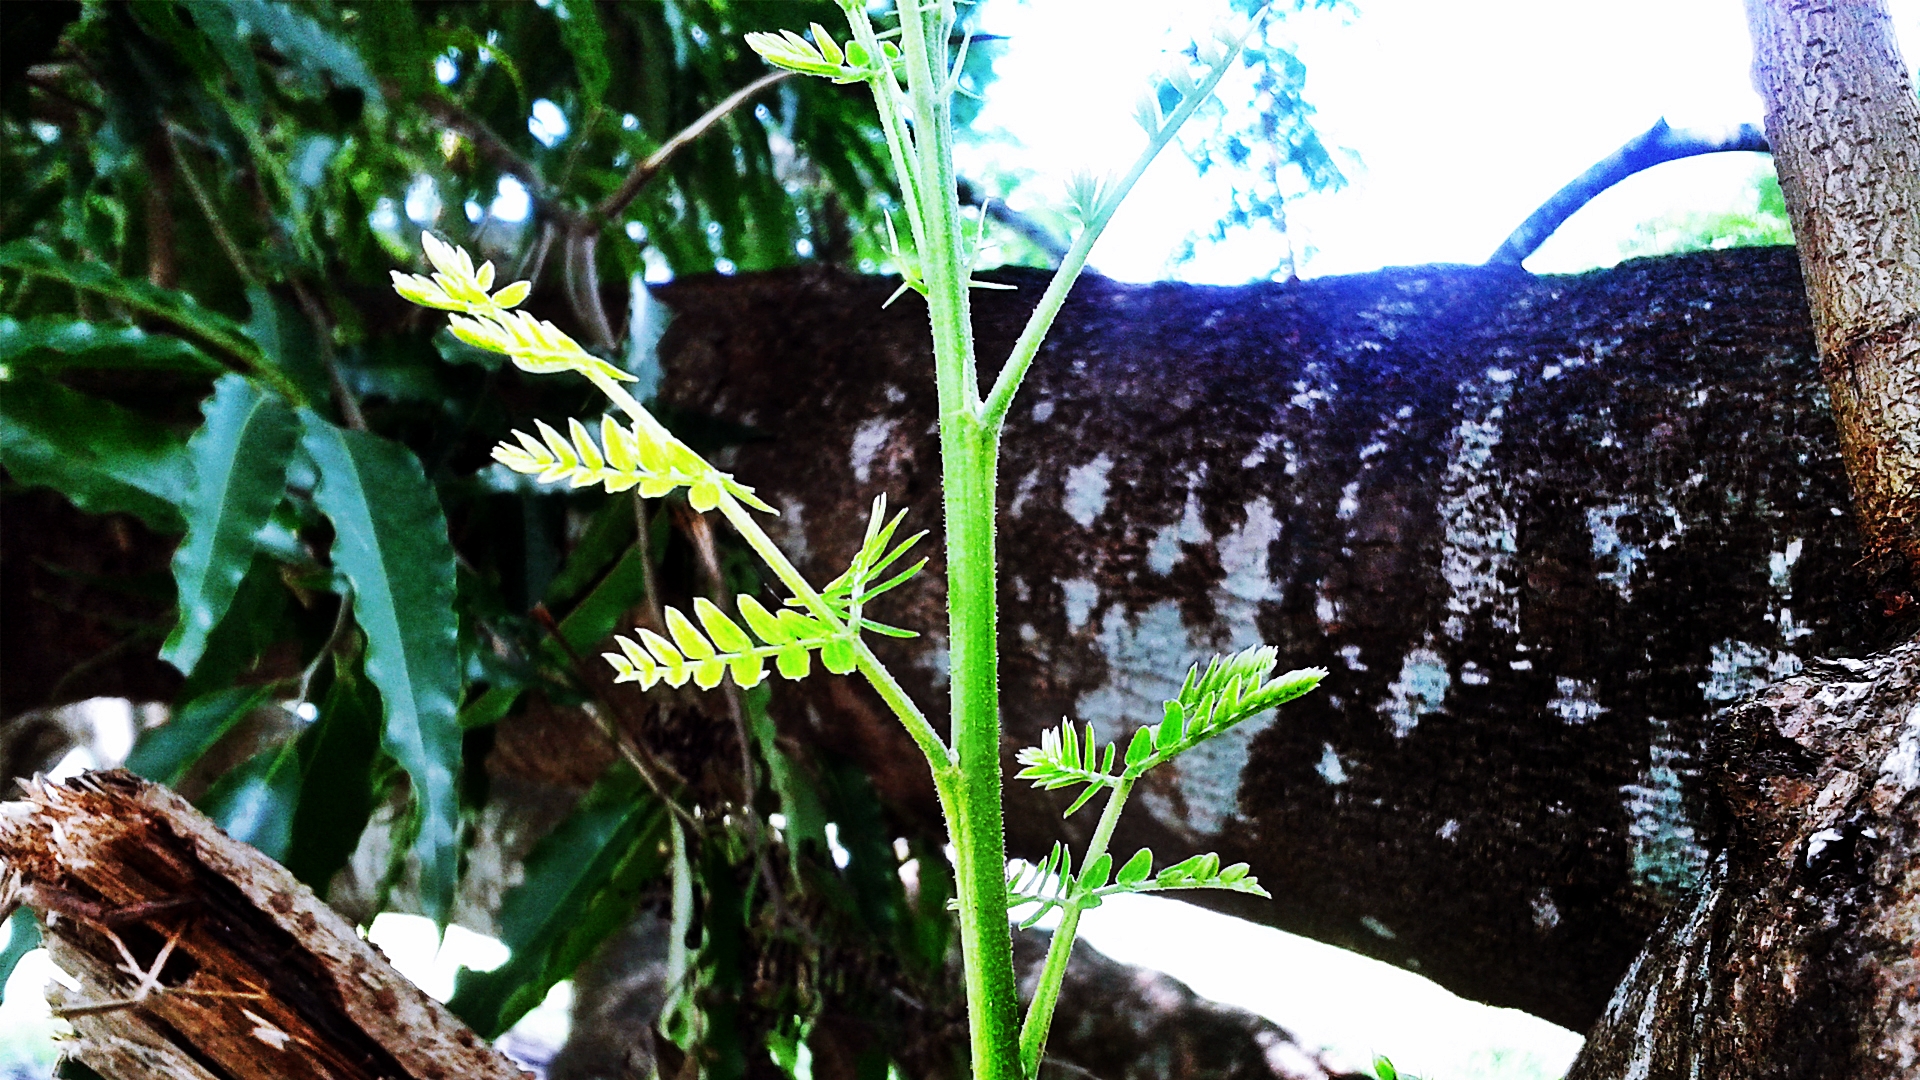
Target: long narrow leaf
point(580, 886)
point(178, 308)
point(51, 343)
point(239, 474)
point(390, 540)
point(105, 458)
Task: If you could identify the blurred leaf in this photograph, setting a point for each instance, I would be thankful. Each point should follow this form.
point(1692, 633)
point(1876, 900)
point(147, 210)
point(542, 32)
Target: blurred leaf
point(587, 42)
point(303, 40)
point(337, 789)
point(239, 474)
point(165, 753)
point(286, 342)
point(254, 802)
point(103, 457)
point(52, 343)
point(254, 622)
point(580, 886)
point(23, 936)
point(178, 308)
point(390, 540)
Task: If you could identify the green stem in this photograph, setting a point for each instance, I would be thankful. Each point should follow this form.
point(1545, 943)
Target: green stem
point(1033, 1035)
point(969, 468)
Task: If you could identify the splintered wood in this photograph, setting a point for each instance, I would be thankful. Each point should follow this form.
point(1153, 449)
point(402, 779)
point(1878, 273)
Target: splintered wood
point(199, 957)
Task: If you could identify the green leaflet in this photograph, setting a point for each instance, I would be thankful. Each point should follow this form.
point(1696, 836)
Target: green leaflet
point(390, 540)
point(178, 308)
point(51, 343)
point(239, 474)
point(581, 883)
point(101, 456)
point(165, 753)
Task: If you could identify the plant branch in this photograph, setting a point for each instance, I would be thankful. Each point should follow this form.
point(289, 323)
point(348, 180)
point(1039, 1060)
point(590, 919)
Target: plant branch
point(215, 224)
point(1033, 1034)
point(1000, 399)
point(776, 560)
point(643, 173)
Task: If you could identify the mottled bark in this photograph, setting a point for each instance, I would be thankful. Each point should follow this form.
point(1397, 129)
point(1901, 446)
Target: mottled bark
point(1845, 129)
point(198, 957)
point(1800, 956)
point(1537, 527)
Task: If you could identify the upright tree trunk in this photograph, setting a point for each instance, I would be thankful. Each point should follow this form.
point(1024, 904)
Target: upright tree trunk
point(1845, 130)
point(1800, 956)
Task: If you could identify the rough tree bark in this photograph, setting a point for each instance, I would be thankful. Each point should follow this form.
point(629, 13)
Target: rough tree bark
point(1539, 528)
point(1845, 129)
point(1800, 956)
point(200, 958)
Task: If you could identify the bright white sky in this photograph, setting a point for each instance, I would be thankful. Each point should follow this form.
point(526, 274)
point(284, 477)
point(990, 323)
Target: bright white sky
point(1465, 117)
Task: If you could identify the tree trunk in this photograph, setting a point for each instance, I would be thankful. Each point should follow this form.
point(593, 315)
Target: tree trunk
point(1801, 955)
point(1539, 528)
point(1845, 129)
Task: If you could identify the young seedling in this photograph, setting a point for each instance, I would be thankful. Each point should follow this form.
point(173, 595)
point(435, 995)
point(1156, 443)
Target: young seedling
point(912, 77)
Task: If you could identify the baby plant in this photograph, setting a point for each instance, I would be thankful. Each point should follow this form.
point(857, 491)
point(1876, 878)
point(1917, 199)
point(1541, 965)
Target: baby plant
point(912, 76)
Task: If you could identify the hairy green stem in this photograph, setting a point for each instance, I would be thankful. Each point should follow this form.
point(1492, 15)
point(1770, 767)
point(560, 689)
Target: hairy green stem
point(1033, 1034)
point(969, 470)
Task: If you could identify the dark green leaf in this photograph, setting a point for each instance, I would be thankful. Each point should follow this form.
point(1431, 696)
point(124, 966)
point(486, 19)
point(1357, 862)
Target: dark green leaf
point(337, 785)
point(165, 753)
point(286, 342)
point(51, 343)
point(239, 474)
point(105, 458)
point(178, 308)
point(390, 540)
point(302, 39)
point(580, 886)
point(581, 32)
point(254, 802)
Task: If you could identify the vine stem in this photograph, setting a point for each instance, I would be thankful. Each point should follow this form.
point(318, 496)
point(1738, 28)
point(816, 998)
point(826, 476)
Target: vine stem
point(1033, 1034)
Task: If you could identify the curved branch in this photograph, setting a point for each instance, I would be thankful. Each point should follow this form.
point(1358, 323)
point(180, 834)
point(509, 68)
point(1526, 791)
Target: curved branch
point(648, 169)
point(1657, 145)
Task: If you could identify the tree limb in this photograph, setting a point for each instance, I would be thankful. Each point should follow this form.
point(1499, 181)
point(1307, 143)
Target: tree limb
point(1655, 146)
